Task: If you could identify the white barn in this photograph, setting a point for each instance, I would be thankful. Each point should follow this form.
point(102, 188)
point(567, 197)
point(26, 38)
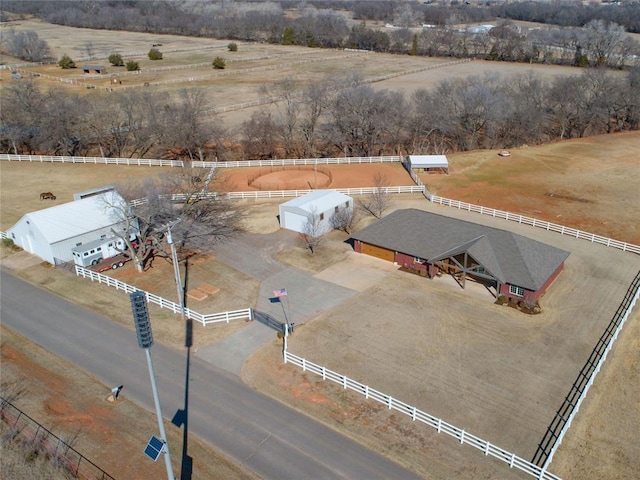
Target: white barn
point(294, 214)
point(429, 162)
point(52, 233)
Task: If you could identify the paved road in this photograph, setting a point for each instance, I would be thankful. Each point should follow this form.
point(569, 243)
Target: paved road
point(268, 437)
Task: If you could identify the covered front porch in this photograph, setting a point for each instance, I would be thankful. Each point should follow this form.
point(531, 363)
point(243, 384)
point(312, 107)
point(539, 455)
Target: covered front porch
point(463, 268)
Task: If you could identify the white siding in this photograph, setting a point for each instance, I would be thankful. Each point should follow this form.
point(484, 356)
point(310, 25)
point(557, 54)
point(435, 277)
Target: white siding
point(294, 213)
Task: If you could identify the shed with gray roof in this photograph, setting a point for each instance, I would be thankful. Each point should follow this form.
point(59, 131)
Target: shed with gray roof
point(100, 69)
point(431, 244)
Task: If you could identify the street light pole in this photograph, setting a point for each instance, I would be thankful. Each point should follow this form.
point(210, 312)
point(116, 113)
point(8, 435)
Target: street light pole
point(156, 399)
point(145, 340)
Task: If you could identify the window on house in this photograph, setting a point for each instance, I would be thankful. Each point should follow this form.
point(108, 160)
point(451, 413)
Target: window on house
point(515, 290)
point(417, 260)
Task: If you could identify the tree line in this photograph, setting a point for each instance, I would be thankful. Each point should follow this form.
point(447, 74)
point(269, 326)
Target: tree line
point(593, 35)
point(333, 117)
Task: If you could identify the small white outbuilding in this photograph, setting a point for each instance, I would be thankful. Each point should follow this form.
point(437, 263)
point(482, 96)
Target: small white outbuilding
point(52, 233)
point(295, 214)
point(429, 163)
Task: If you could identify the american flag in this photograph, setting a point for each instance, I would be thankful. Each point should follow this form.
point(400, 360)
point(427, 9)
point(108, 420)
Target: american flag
point(281, 292)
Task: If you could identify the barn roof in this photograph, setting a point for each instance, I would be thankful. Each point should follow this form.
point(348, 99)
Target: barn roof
point(511, 258)
point(318, 200)
point(75, 218)
point(428, 161)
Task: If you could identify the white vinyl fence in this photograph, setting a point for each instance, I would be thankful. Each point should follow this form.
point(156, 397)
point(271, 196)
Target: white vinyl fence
point(247, 313)
point(552, 227)
point(418, 415)
point(154, 162)
point(181, 197)
point(418, 188)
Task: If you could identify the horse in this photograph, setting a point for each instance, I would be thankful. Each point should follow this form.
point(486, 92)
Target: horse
point(47, 196)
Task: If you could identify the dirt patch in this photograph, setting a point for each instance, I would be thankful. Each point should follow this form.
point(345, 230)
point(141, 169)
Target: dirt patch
point(338, 176)
point(293, 179)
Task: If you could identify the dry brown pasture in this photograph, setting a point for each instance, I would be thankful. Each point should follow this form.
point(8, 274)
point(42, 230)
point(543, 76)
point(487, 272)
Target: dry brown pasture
point(244, 85)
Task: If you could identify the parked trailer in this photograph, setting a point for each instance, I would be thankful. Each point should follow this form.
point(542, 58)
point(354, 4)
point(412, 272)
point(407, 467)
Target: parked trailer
point(111, 263)
point(97, 251)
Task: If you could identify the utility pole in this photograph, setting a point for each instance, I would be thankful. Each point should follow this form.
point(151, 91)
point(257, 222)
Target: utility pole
point(176, 266)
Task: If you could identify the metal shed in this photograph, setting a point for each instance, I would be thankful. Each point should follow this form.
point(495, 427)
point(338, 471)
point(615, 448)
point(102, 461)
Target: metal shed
point(294, 214)
point(428, 163)
point(100, 69)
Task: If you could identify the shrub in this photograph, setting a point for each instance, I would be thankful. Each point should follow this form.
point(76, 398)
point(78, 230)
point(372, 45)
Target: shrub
point(219, 63)
point(233, 47)
point(65, 62)
point(155, 54)
point(132, 66)
point(115, 59)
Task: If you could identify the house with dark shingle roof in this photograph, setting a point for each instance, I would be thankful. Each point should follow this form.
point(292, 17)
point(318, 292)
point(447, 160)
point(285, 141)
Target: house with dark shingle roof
point(432, 245)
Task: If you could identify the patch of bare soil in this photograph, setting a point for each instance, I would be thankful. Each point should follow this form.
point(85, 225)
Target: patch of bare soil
point(299, 178)
point(74, 406)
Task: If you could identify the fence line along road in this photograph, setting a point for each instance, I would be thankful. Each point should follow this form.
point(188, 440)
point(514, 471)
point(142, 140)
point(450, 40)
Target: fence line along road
point(246, 313)
point(418, 415)
point(59, 452)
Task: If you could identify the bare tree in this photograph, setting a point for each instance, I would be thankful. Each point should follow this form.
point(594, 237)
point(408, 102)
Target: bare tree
point(20, 117)
point(603, 41)
point(314, 101)
point(90, 49)
point(185, 128)
point(26, 45)
point(260, 134)
point(313, 231)
point(344, 219)
point(183, 197)
point(286, 119)
point(380, 200)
